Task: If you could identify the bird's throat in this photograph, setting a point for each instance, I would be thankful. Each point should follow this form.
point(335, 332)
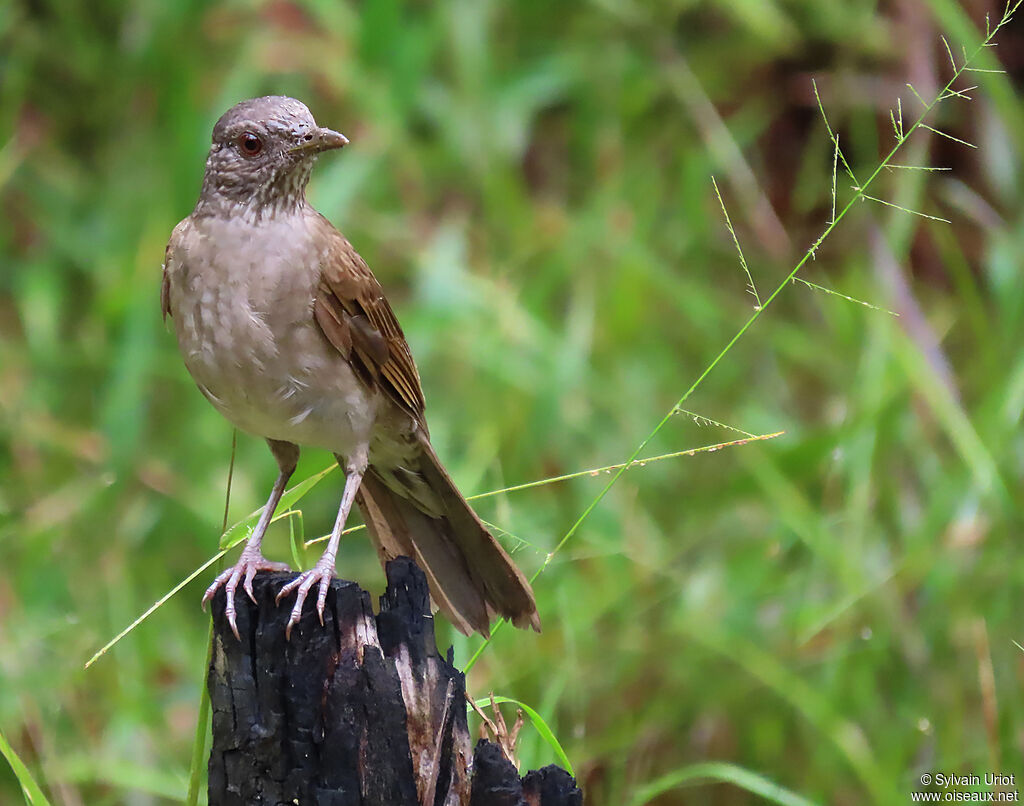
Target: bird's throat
point(282, 193)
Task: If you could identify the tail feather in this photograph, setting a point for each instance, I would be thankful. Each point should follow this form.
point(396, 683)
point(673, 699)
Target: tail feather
point(472, 578)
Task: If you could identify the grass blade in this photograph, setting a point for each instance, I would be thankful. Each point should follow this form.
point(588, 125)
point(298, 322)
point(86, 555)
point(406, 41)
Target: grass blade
point(822, 288)
point(195, 770)
point(239, 531)
point(596, 471)
point(719, 772)
point(751, 288)
point(539, 725)
point(33, 794)
point(152, 609)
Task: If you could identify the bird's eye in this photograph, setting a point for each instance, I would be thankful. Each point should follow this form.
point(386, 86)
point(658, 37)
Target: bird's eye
point(249, 144)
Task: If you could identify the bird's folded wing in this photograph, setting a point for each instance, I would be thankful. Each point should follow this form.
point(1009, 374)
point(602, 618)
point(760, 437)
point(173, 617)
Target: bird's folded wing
point(165, 283)
point(353, 313)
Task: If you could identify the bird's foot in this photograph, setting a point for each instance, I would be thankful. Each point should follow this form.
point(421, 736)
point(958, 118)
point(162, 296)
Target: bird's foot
point(243, 571)
point(322, 572)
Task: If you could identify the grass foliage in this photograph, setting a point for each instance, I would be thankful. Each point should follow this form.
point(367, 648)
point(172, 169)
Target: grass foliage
point(819, 617)
point(29, 787)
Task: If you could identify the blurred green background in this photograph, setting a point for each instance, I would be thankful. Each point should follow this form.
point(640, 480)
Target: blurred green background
point(834, 610)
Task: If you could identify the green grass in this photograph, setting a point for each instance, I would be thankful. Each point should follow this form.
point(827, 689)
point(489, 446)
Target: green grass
point(29, 787)
point(809, 617)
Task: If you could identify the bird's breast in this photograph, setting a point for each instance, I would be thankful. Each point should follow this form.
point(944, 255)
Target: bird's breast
point(242, 298)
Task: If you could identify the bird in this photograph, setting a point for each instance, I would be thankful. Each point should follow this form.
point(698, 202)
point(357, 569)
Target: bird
point(287, 332)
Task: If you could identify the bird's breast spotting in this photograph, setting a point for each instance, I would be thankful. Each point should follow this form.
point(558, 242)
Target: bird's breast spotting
point(241, 297)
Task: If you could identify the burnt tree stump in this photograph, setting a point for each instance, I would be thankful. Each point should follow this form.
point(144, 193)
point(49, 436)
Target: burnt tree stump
point(362, 711)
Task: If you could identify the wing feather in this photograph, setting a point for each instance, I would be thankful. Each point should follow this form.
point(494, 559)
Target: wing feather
point(165, 282)
point(356, 318)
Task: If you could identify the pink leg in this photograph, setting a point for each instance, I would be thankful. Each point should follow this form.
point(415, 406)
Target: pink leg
point(323, 571)
point(252, 559)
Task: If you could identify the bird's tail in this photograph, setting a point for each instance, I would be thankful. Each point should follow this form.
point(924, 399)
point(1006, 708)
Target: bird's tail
point(472, 578)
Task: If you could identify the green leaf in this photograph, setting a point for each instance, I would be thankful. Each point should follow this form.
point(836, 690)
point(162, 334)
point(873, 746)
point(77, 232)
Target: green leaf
point(719, 771)
point(241, 530)
point(33, 794)
point(296, 537)
point(539, 724)
point(195, 770)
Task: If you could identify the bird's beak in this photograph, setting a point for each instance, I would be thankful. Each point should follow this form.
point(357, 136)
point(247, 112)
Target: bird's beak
point(320, 139)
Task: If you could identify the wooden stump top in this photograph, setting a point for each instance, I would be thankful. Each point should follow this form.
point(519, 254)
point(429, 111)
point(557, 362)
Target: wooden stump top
point(362, 711)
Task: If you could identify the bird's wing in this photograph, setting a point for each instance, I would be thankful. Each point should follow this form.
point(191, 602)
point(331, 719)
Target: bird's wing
point(353, 313)
point(165, 284)
point(165, 287)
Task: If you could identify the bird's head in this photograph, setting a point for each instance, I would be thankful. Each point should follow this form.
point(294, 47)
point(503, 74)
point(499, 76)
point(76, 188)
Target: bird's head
point(262, 154)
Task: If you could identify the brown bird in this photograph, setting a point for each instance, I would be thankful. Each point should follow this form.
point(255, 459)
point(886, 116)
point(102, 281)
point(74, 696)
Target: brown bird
point(288, 333)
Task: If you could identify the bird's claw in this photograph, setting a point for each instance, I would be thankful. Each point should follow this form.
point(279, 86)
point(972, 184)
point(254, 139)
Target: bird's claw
point(322, 573)
point(245, 571)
